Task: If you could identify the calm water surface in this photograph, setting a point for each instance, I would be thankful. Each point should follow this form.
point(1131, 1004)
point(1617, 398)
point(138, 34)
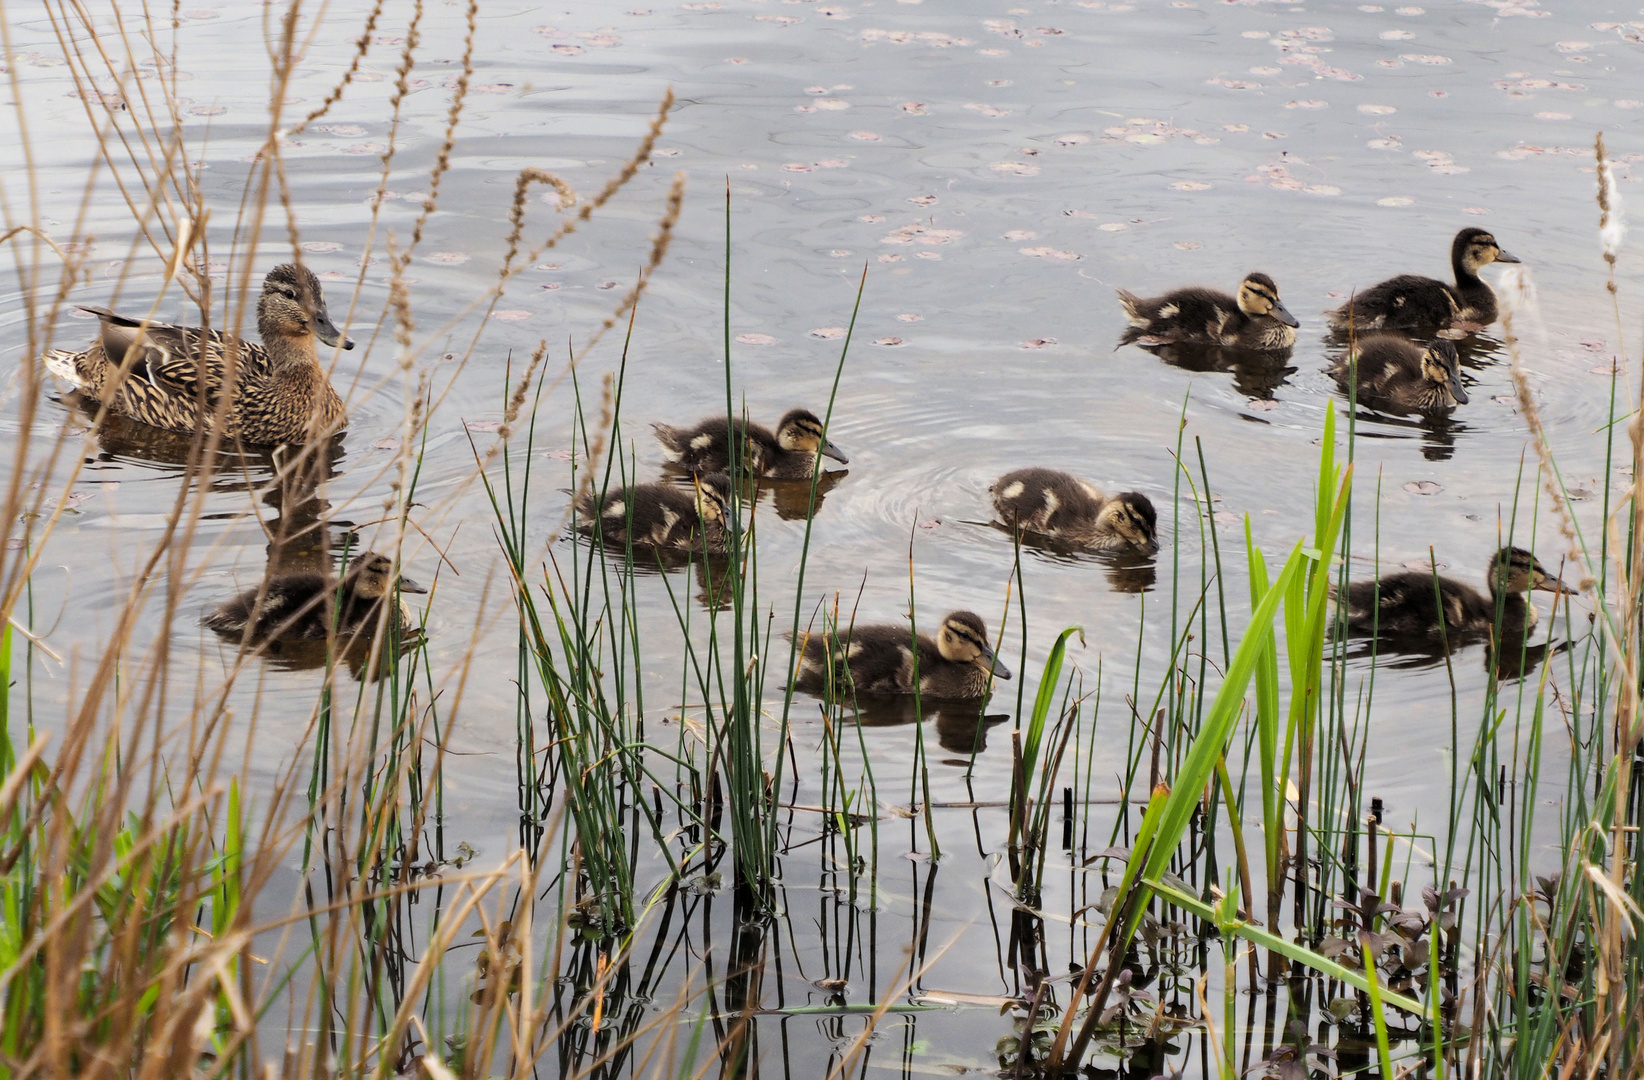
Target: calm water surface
point(998, 170)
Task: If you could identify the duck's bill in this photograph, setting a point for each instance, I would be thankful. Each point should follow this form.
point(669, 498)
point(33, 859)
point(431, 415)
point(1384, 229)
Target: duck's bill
point(1282, 313)
point(408, 585)
point(1000, 671)
point(1458, 391)
point(1555, 586)
point(1503, 255)
point(327, 332)
point(832, 451)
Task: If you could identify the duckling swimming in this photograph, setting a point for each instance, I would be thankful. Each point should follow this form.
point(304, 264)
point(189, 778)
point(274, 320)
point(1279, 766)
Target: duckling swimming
point(1410, 604)
point(1413, 302)
point(665, 517)
point(794, 452)
point(1257, 319)
point(1063, 507)
point(172, 376)
point(1395, 375)
point(955, 666)
point(307, 605)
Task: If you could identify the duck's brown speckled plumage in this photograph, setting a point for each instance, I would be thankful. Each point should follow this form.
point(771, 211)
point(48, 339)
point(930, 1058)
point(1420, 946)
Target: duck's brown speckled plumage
point(792, 452)
point(1413, 302)
point(174, 377)
point(1396, 375)
point(1410, 604)
point(1063, 507)
point(875, 660)
point(1255, 319)
point(308, 605)
point(664, 517)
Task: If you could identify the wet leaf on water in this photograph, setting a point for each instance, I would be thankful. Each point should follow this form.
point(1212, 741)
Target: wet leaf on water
point(512, 315)
point(930, 523)
point(1508, 399)
point(1038, 342)
point(447, 258)
point(828, 333)
point(1261, 405)
point(1020, 234)
point(1552, 115)
point(1049, 253)
point(386, 444)
point(1311, 103)
point(755, 339)
point(1255, 35)
point(1477, 211)
point(1396, 200)
point(922, 200)
point(866, 136)
point(921, 234)
point(1377, 110)
point(318, 247)
point(1190, 185)
point(732, 60)
point(1072, 140)
point(987, 110)
point(1628, 103)
point(1188, 245)
point(890, 258)
point(872, 219)
point(1113, 226)
point(1225, 517)
point(1015, 168)
point(208, 110)
point(1409, 11)
point(1322, 189)
point(1423, 487)
point(888, 342)
point(780, 20)
point(1238, 128)
point(607, 285)
point(550, 286)
point(839, 253)
point(908, 316)
point(483, 425)
point(927, 255)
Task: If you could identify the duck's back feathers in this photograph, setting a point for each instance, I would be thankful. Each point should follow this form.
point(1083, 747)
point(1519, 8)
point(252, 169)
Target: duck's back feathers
point(1407, 605)
point(1255, 319)
point(660, 516)
point(706, 447)
point(1406, 302)
point(1396, 375)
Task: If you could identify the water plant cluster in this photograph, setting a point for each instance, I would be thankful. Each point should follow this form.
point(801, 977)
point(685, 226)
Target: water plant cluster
point(1234, 902)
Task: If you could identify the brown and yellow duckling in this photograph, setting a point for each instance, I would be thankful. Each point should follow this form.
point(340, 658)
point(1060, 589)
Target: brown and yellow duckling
point(1411, 604)
point(1396, 375)
point(1255, 319)
point(1413, 302)
point(793, 452)
point(663, 517)
point(309, 606)
point(1060, 506)
point(956, 665)
point(173, 376)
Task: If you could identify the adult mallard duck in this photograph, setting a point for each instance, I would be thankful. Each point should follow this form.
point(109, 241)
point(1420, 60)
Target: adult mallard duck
point(1061, 506)
point(1256, 319)
point(663, 517)
point(957, 665)
point(174, 376)
point(308, 606)
point(793, 452)
point(1417, 604)
point(1395, 375)
point(1413, 302)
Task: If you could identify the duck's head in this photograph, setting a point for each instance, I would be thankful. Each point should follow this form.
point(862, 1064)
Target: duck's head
point(1514, 570)
point(292, 306)
point(371, 577)
point(963, 639)
point(1473, 248)
point(1441, 364)
point(1130, 514)
point(1259, 296)
point(713, 497)
point(801, 432)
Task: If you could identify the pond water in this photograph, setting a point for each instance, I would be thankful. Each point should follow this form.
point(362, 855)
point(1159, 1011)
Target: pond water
point(999, 170)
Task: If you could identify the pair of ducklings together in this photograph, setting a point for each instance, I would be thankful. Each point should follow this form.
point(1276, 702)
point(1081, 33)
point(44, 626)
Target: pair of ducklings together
point(1382, 368)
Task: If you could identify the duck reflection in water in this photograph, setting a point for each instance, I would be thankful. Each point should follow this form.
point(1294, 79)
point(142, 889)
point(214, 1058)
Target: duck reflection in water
point(961, 726)
point(1257, 373)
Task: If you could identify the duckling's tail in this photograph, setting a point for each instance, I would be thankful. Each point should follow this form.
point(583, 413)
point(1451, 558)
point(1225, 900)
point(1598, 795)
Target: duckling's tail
point(672, 439)
point(1132, 305)
point(61, 363)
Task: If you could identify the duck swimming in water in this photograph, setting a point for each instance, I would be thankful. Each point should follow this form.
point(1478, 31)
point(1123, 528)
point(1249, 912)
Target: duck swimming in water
point(663, 517)
point(793, 452)
point(1256, 319)
point(1413, 302)
point(1063, 507)
point(174, 377)
point(1417, 604)
point(1396, 375)
point(957, 665)
point(309, 606)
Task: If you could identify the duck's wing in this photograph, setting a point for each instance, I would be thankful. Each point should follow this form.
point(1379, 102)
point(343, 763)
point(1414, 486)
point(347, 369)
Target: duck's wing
point(1407, 301)
point(175, 361)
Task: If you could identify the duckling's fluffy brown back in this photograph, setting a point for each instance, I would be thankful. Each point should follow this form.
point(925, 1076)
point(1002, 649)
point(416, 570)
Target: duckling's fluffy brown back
point(660, 516)
point(878, 659)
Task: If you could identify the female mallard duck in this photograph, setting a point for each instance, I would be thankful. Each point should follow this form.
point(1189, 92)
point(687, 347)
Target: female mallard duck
point(307, 605)
point(956, 666)
point(1063, 507)
point(665, 517)
point(1413, 302)
point(1395, 375)
point(794, 452)
point(1256, 320)
point(1415, 604)
point(173, 376)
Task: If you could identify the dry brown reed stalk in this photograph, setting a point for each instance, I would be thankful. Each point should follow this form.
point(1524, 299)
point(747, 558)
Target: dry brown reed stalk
point(1519, 299)
point(595, 448)
point(362, 45)
point(442, 159)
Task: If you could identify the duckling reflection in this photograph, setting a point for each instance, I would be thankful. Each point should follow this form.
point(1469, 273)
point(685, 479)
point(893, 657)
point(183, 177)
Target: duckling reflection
point(791, 499)
point(1439, 432)
point(957, 664)
point(961, 727)
point(1420, 609)
point(1257, 373)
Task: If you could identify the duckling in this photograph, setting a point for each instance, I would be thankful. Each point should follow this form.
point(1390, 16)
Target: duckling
point(1395, 375)
point(954, 666)
point(1413, 302)
point(172, 376)
point(663, 516)
point(793, 453)
point(1403, 605)
point(1256, 320)
point(1061, 506)
point(305, 605)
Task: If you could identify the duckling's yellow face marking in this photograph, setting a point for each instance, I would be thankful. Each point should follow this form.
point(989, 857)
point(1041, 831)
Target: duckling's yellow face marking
point(1256, 299)
point(963, 640)
point(801, 432)
point(1481, 251)
point(374, 578)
